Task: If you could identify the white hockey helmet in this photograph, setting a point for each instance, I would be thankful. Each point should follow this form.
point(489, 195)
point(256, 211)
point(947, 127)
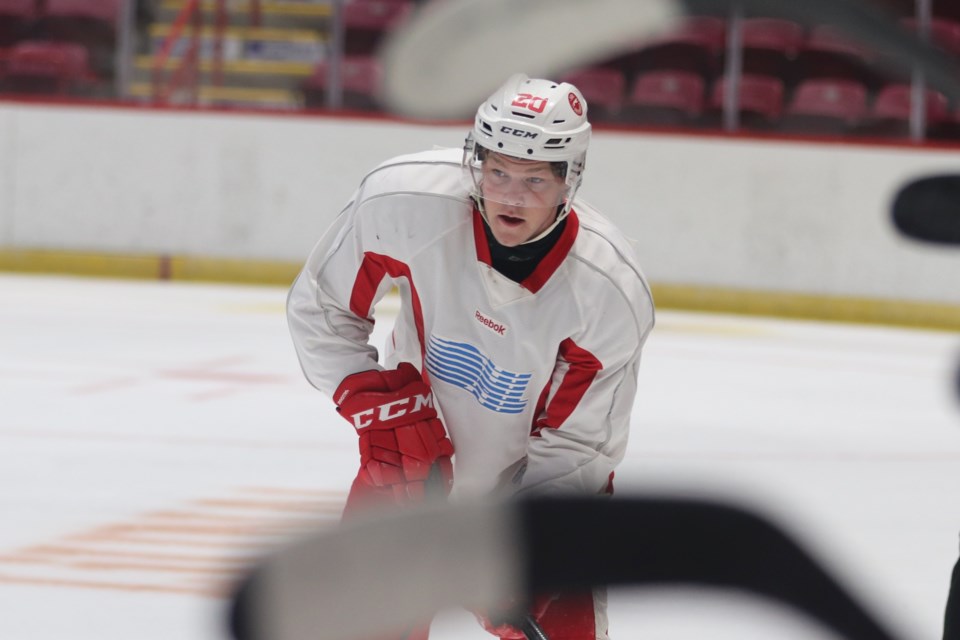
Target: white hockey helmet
point(531, 119)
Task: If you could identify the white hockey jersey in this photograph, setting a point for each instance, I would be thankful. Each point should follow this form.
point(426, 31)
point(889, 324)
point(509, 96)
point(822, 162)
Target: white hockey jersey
point(535, 381)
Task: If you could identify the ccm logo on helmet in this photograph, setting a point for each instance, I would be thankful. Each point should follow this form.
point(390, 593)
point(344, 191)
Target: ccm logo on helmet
point(391, 410)
point(520, 133)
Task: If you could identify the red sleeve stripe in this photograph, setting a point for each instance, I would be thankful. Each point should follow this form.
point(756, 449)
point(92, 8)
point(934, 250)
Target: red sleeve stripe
point(540, 410)
point(583, 368)
point(372, 271)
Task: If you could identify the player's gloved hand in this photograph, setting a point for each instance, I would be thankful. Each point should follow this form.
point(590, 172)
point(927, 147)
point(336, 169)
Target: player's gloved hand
point(493, 621)
point(401, 439)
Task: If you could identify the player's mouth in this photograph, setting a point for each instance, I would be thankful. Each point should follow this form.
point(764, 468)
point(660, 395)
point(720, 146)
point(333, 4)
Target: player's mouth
point(510, 221)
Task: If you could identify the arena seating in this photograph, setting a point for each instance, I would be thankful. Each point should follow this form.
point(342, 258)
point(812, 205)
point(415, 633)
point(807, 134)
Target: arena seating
point(91, 23)
point(38, 67)
point(771, 46)
point(696, 45)
point(666, 97)
point(945, 9)
point(17, 19)
point(830, 53)
point(604, 89)
point(366, 22)
point(890, 113)
point(760, 101)
point(827, 106)
point(360, 79)
point(944, 33)
point(792, 76)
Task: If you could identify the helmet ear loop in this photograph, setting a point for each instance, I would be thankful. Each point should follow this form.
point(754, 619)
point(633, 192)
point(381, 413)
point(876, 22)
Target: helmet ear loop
point(573, 179)
point(478, 195)
point(478, 201)
point(471, 159)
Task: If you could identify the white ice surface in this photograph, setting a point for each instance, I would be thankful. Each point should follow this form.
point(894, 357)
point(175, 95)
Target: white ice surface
point(155, 437)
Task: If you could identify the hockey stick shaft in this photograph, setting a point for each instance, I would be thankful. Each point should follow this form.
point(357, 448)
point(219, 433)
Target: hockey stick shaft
point(532, 629)
point(435, 492)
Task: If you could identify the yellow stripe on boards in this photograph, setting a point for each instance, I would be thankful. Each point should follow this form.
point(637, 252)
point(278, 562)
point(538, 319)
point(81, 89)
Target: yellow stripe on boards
point(830, 308)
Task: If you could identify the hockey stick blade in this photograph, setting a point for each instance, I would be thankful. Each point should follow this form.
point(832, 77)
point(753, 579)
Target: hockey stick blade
point(452, 54)
point(381, 575)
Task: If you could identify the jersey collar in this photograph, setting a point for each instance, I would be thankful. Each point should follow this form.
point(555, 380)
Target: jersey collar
point(548, 264)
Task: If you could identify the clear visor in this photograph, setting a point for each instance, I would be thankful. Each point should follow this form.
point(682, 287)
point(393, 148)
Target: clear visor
point(516, 182)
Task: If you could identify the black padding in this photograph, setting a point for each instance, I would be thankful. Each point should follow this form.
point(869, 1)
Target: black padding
point(241, 611)
point(928, 209)
point(951, 619)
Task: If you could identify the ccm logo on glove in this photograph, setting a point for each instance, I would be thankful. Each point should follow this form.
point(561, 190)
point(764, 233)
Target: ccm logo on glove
point(401, 439)
point(391, 411)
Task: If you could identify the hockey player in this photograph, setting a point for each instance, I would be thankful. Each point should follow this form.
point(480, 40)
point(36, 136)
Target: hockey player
point(523, 315)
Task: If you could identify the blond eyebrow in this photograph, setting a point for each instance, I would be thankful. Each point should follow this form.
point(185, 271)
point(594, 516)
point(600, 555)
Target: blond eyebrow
point(536, 166)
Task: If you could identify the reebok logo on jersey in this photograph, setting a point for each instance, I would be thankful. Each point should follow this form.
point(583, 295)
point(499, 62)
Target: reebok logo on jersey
point(494, 326)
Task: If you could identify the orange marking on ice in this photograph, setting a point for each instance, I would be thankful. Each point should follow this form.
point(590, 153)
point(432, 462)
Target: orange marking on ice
point(100, 565)
point(106, 385)
point(213, 395)
point(93, 552)
point(112, 586)
point(169, 542)
point(342, 496)
point(218, 517)
point(270, 505)
point(225, 376)
point(201, 530)
point(207, 544)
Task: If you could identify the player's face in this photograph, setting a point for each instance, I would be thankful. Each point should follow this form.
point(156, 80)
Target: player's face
point(520, 197)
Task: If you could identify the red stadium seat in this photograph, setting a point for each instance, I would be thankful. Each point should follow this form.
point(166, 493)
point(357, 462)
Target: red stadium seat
point(899, 8)
point(890, 113)
point(771, 45)
point(360, 78)
point(826, 106)
point(944, 33)
point(949, 129)
point(696, 45)
point(760, 101)
point(46, 68)
point(17, 18)
point(603, 88)
point(366, 22)
point(946, 9)
point(103, 11)
point(92, 23)
point(666, 97)
point(829, 53)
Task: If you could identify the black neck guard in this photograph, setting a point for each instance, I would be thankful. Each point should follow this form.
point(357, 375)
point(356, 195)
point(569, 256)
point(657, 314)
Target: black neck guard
point(520, 261)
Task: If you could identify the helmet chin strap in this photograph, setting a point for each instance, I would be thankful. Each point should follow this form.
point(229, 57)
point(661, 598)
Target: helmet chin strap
point(562, 211)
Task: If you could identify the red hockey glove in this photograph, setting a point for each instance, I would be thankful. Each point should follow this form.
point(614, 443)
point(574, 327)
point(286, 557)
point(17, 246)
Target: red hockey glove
point(492, 621)
point(401, 438)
